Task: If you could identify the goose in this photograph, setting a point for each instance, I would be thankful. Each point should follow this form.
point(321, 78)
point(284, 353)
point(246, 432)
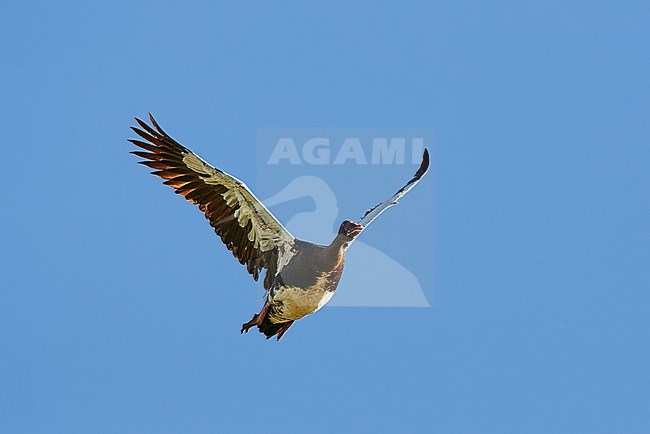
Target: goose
point(300, 277)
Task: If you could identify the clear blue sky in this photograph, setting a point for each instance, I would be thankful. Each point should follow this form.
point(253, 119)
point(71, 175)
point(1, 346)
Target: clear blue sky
point(120, 312)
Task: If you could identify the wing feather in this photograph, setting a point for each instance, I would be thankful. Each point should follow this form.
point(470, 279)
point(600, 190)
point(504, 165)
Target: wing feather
point(376, 210)
point(247, 228)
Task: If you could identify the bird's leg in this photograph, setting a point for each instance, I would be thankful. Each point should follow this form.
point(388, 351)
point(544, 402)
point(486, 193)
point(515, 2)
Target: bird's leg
point(257, 318)
point(284, 328)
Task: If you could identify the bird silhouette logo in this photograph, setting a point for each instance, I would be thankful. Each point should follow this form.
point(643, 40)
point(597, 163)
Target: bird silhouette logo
point(390, 284)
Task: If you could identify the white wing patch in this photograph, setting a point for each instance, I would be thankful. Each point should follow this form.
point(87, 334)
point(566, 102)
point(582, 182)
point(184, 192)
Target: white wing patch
point(266, 233)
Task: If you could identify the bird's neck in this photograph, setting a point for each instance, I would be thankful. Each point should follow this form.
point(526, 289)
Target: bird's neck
point(339, 242)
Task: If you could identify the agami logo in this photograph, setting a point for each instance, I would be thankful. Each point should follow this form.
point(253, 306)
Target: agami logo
point(321, 151)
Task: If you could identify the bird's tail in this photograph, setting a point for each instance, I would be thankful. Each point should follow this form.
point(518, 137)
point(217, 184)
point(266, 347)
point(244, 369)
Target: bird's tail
point(268, 328)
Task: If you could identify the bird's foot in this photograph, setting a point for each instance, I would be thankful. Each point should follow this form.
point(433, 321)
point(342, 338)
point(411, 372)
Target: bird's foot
point(256, 320)
point(284, 328)
point(252, 323)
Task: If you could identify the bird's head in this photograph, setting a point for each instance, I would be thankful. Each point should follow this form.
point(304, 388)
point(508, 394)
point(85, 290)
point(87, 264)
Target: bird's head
point(350, 230)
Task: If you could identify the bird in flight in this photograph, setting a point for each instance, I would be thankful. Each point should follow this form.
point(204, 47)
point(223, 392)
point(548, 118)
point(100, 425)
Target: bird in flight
point(300, 277)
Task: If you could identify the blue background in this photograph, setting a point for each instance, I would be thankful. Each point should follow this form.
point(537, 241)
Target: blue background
point(120, 313)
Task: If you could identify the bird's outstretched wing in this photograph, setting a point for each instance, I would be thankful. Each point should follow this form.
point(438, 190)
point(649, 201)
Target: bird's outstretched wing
point(376, 210)
point(247, 228)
